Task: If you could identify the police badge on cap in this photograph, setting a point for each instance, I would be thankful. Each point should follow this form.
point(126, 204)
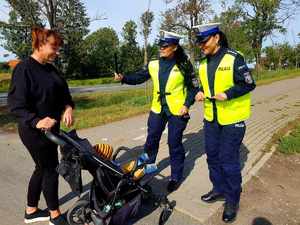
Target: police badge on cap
point(166, 38)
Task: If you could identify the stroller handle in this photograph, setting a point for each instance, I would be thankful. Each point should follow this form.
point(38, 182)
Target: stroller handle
point(54, 138)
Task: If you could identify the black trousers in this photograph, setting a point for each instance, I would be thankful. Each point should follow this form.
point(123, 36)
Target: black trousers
point(44, 178)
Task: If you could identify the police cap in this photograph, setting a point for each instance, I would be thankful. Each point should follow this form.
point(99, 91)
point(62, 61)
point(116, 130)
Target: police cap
point(204, 31)
point(166, 38)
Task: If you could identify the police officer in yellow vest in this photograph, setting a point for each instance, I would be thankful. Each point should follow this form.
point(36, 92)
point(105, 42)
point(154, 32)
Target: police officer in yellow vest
point(226, 83)
point(174, 89)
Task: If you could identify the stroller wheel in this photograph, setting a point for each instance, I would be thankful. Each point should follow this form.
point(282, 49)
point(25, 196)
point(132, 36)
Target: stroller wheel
point(164, 215)
point(167, 210)
point(77, 214)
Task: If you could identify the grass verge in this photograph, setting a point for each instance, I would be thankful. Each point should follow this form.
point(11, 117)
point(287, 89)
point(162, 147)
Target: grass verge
point(91, 82)
point(290, 144)
point(267, 77)
point(4, 81)
point(96, 109)
point(287, 139)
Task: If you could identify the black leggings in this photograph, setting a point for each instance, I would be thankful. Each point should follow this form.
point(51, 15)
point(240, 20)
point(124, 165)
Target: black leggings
point(44, 177)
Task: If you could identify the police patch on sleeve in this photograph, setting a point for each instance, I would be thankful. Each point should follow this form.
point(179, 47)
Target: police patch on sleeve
point(248, 78)
point(195, 82)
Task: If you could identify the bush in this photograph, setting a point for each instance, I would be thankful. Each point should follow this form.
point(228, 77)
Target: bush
point(4, 85)
point(4, 67)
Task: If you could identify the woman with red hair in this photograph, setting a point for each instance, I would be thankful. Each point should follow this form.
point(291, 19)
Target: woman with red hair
point(39, 97)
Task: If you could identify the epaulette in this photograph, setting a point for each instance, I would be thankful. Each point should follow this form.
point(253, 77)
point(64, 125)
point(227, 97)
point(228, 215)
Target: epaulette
point(234, 52)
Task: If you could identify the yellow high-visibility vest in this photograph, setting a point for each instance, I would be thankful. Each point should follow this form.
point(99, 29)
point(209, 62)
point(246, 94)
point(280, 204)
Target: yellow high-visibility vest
point(175, 89)
point(228, 111)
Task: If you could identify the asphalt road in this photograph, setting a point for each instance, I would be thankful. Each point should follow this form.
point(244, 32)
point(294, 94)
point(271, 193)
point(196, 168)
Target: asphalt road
point(88, 89)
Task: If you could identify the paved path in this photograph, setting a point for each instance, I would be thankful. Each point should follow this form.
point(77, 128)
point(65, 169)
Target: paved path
point(273, 106)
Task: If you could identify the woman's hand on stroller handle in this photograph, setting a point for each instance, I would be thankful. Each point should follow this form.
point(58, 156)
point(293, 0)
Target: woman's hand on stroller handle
point(54, 138)
point(46, 123)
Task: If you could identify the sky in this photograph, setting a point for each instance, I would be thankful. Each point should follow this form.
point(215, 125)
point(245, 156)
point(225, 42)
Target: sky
point(117, 12)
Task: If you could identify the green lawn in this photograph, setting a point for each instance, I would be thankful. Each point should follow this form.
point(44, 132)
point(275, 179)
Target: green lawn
point(290, 144)
point(91, 82)
point(4, 81)
point(94, 109)
point(101, 108)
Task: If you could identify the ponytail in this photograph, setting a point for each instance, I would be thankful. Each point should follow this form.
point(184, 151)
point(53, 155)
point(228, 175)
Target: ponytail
point(223, 42)
point(183, 62)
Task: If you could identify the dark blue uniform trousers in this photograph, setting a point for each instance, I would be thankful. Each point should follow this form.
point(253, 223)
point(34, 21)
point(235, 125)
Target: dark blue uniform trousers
point(222, 145)
point(176, 126)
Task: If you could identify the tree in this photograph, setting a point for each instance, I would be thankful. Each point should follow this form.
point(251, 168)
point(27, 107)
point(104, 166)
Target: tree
point(263, 17)
point(185, 15)
point(68, 17)
point(297, 55)
point(100, 47)
point(272, 57)
point(280, 56)
point(16, 33)
point(130, 53)
point(72, 18)
point(146, 21)
point(231, 19)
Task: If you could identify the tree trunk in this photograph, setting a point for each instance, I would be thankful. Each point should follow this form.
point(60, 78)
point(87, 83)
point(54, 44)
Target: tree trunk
point(51, 8)
point(191, 50)
point(145, 51)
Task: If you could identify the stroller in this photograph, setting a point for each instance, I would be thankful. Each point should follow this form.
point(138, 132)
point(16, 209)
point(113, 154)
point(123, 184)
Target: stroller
point(114, 196)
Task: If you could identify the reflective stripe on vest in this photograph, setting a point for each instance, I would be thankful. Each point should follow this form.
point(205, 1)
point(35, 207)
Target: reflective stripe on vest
point(228, 111)
point(175, 87)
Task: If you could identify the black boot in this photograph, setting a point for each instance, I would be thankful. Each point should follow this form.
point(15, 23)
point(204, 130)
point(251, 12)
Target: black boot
point(230, 212)
point(212, 197)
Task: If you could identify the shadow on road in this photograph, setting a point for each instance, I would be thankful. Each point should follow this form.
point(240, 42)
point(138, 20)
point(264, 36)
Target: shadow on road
point(261, 221)
point(194, 147)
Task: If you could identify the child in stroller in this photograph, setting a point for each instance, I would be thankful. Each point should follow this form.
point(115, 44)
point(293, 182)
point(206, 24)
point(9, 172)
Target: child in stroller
point(116, 190)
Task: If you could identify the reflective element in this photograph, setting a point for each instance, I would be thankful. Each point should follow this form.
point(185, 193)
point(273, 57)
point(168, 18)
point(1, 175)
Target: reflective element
point(148, 169)
point(195, 82)
point(248, 78)
point(131, 166)
point(106, 208)
point(143, 158)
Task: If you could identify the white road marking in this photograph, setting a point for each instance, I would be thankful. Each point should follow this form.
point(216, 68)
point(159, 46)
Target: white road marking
point(139, 137)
